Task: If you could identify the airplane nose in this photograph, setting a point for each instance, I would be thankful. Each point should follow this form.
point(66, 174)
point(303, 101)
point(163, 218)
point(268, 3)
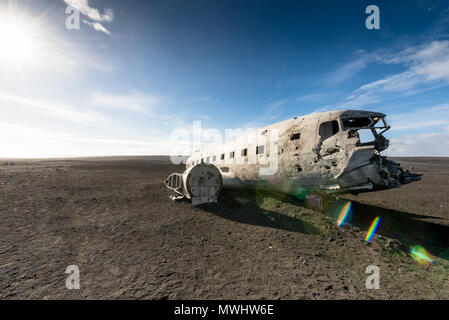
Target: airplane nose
point(377, 173)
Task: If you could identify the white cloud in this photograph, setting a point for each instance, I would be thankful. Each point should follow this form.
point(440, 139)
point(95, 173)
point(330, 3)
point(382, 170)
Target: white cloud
point(97, 26)
point(436, 70)
point(398, 82)
point(93, 14)
point(427, 67)
point(430, 60)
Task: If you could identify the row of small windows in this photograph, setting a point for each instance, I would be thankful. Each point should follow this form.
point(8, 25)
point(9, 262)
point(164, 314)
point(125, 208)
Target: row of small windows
point(326, 130)
point(244, 153)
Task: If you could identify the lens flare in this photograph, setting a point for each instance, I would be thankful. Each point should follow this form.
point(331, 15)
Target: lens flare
point(344, 214)
point(372, 229)
point(420, 255)
point(301, 193)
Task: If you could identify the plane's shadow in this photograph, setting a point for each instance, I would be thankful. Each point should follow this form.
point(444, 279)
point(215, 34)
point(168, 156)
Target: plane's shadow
point(408, 228)
point(228, 207)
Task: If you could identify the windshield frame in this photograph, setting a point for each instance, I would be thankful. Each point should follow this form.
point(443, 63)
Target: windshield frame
point(384, 126)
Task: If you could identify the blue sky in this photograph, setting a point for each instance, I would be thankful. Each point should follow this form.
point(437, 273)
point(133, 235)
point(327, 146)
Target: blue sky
point(137, 70)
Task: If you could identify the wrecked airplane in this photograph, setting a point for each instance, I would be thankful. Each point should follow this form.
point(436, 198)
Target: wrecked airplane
point(328, 152)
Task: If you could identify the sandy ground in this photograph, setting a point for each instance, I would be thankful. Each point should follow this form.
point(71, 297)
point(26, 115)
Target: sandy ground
point(113, 219)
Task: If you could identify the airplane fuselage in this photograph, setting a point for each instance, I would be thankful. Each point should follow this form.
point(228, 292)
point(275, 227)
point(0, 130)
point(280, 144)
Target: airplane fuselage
point(321, 151)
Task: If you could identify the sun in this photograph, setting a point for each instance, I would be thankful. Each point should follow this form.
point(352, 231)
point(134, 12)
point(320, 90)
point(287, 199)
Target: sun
point(35, 48)
point(19, 40)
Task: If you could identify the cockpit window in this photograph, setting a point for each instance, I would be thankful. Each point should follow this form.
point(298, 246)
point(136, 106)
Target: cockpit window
point(359, 122)
point(328, 129)
point(368, 131)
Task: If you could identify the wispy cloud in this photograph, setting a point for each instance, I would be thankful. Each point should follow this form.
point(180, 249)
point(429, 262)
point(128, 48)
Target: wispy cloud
point(430, 60)
point(93, 14)
point(23, 141)
point(423, 132)
point(427, 67)
point(134, 101)
point(97, 26)
point(204, 117)
point(324, 109)
point(270, 113)
point(273, 110)
point(360, 61)
point(312, 97)
point(52, 109)
point(426, 144)
point(426, 117)
point(207, 100)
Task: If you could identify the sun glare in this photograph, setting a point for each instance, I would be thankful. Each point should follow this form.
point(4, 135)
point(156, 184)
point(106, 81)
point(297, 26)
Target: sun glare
point(34, 48)
point(19, 41)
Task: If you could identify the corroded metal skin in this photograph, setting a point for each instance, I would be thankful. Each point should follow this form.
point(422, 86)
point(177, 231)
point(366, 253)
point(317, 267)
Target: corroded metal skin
point(321, 151)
